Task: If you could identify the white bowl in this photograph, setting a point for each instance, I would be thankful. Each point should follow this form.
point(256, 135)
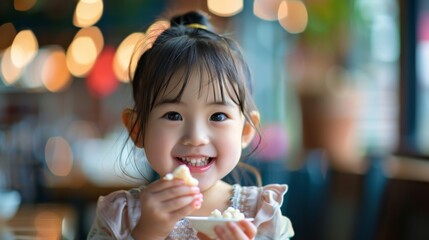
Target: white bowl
point(9, 204)
point(206, 224)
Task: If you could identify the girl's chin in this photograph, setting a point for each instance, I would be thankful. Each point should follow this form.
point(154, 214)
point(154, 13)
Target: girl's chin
point(205, 185)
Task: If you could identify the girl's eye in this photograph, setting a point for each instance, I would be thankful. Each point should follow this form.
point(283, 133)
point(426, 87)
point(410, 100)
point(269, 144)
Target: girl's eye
point(173, 116)
point(218, 117)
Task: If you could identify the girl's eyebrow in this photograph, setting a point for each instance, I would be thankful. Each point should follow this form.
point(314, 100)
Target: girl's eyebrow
point(223, 103)
point(167, 101)
point(176, 101)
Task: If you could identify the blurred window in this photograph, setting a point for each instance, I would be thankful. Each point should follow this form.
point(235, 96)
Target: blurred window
point(374, 63)
point(422, 76)
point(414, 79)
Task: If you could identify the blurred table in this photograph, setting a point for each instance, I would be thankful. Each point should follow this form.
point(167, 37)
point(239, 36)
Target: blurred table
point(40, 221)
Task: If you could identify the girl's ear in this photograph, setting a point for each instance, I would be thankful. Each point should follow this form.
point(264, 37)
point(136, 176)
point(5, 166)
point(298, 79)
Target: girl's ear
point(248, 130)
point(129, 118)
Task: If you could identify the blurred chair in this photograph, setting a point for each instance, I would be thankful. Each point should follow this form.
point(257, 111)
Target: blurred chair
point(306, 201)
point(374, 183)
point(404, 209)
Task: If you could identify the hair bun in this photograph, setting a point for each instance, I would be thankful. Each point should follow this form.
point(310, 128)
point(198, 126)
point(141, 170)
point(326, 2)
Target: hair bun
point(190, 18)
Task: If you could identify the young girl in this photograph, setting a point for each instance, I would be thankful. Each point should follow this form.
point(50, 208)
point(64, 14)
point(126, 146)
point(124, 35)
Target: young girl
point(193, 106)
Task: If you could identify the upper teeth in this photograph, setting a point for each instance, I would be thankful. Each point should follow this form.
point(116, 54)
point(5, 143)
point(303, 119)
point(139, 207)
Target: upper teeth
point(200, 161)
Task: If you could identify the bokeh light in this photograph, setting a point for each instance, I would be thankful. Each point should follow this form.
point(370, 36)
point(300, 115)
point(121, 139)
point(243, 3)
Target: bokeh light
point(95, 34)
point(9, 72)
point(54, 73)
point(293, 16)
point(58, 156)
point(266, 9)
point(122, 59)
point(225, 8)
point(24, 48)
point(24, 5)
point(48, 70)
point(84, 50)
point(7, 33)
point(88, 13)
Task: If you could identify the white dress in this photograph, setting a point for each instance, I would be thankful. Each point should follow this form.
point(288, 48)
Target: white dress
point(118, 213)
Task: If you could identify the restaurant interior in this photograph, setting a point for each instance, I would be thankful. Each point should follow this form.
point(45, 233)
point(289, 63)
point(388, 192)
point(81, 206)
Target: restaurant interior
point(342, 87)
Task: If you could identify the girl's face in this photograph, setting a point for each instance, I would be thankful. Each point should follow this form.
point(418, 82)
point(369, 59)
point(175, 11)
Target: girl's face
point(198, 130)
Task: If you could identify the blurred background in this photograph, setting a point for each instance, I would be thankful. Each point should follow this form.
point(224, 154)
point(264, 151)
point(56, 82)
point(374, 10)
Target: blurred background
point(342, 87)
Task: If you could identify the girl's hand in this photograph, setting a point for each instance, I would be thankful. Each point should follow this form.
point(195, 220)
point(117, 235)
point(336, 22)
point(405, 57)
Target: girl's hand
point(163, 203)
point(242, 230)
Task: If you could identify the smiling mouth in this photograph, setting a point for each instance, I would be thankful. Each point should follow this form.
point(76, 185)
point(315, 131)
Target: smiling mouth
point(195, 161)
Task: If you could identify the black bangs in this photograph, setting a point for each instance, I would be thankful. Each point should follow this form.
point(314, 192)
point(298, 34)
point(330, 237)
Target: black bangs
point(219, 64)
point(184, 57)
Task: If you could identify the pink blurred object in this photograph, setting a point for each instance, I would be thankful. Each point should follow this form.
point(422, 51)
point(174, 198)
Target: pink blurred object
point(101, 80)
point(274, 143)
point(423, 31)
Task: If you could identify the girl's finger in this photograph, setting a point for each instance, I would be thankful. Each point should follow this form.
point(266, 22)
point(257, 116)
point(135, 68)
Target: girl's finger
point(248, 228)
point(176, 192)
point(202, 236)
point(235, 232)
point(223, 232)
point(188, 209)
point(231, 231)
point(180, 202)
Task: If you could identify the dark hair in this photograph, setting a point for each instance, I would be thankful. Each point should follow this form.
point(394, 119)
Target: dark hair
point(187, 47)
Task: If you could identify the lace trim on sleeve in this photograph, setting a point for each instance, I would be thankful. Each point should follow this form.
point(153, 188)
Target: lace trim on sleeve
point(240, 200)
point(236, 196)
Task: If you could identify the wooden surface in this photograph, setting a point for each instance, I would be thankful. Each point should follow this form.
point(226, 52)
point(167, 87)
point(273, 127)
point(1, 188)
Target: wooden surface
point(40, 221)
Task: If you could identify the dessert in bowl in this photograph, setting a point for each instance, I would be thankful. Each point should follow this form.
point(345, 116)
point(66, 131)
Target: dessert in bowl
point(206, 224)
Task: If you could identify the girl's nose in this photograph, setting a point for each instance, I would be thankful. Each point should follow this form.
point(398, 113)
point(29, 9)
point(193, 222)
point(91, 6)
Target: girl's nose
point(195, 135)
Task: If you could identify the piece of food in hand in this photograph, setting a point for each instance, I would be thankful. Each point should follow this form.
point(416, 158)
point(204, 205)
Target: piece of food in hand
point(229, 213)
point(182, 172)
